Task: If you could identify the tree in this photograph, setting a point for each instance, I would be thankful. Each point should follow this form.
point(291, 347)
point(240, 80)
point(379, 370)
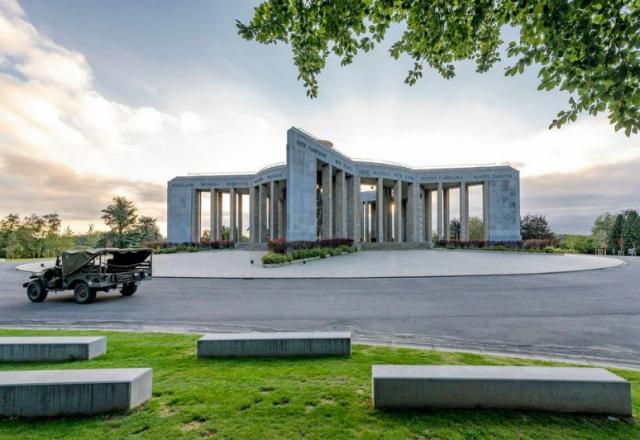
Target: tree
point(589, 49)
point(614, 240)
point(631, 229)
point(476, 228)
point(582, 244)
point(33, 236)
point(147, 229)
point(90, 238)
point(601, 229)
point(454, 229)
point(121, 217)
point(535, 227)
point(10, 223)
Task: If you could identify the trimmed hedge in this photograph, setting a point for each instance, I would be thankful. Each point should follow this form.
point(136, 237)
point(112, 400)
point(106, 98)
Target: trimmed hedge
point(273, 258)
point(281, 246)
point(301, 254)
point(163, 247)
point(537, 244)
point(479, 244)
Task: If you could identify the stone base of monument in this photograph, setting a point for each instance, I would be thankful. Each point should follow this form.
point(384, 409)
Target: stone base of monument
point(51, 348)
point(568, 390)
point(280, 344)
point(48, 393)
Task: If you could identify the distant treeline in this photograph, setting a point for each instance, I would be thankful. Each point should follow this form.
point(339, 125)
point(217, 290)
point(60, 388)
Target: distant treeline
point(38, 236)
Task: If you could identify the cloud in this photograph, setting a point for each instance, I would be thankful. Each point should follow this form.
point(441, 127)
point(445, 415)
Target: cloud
point(50, 109)
point(452, 133)
point(572, 201)
point(29, 185)
point(54, 121)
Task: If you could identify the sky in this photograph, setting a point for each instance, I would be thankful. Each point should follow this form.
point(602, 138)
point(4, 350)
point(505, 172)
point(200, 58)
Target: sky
point(99, 99)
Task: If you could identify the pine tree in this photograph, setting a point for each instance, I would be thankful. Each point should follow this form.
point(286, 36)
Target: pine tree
point(631, 230)
point(614, 241)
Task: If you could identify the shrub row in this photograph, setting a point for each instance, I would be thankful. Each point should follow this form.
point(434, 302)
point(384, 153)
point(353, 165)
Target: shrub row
point(163, 247)
point(479, 244)
point(539, 244)
point(216, 244)
point(301, 254)
point(282, 246)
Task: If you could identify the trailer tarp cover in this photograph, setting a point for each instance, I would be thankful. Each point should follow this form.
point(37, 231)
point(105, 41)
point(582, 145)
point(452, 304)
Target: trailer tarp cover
point(74, 260)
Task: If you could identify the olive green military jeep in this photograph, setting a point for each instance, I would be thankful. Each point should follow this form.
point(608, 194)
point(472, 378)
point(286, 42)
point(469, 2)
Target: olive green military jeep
point(88, 271)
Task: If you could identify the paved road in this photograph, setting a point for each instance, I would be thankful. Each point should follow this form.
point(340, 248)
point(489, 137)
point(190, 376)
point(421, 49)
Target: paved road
point(592, 316)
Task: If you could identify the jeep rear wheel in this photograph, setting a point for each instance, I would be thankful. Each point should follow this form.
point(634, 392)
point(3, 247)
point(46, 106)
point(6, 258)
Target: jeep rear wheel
point(83, 294)
point(129, 289)
point(36, 291)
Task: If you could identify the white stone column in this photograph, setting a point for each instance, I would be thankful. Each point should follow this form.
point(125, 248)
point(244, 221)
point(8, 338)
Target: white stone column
point(281, 212)
point(380, 211)
point(387, 221)
point(413, 213)
point(274, 196)
point(354, 209)
point(253, 215)
point(196, 215)
point(464, 211)
point(440, 214)
point(219, 215)
point(232, 214)
point(446, 218)
point(262, 212)
point(485, 210)
point(239, 218)
point(284, 213)
point(428, 216)
point(397, 212)
point(213, 214)
point(340, 214)
point(365, 221)
point(327, 202)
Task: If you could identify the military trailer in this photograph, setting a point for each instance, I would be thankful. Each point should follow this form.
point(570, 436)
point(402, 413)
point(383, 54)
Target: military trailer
point(87, 272)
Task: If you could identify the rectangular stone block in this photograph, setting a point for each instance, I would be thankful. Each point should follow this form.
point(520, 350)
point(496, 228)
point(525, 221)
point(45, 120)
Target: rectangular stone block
point(51, 348)
point(557, 389)
point(48, 393)
point(279, 344)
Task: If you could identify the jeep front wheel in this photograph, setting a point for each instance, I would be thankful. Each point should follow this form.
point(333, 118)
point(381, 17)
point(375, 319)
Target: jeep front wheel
point(36, 291)
point(129, 289)
point(83, 294)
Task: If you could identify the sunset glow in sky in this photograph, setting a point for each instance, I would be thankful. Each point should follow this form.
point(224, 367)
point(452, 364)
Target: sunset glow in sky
point(104, 98)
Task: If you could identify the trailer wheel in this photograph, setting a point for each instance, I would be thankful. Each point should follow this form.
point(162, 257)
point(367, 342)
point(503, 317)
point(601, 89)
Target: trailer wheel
point(36, 291)
point(129, 289)
point(83, 294)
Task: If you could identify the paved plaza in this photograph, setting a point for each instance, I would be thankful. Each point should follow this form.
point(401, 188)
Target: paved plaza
point(376, 264)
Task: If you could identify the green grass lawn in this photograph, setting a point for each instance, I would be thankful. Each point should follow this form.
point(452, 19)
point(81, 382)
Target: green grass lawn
point(290, 399)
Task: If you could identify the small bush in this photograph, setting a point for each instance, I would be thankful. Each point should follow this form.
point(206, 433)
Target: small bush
point(221, 244)
point(278, 245)
point(536, 244)
point(155, 244)
point(274, 258)
point(549, 250)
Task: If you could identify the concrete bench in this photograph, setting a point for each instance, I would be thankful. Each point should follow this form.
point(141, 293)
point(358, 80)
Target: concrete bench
point(46, 393)
point(572, 390)
point(281, 344)
point(51, 348)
